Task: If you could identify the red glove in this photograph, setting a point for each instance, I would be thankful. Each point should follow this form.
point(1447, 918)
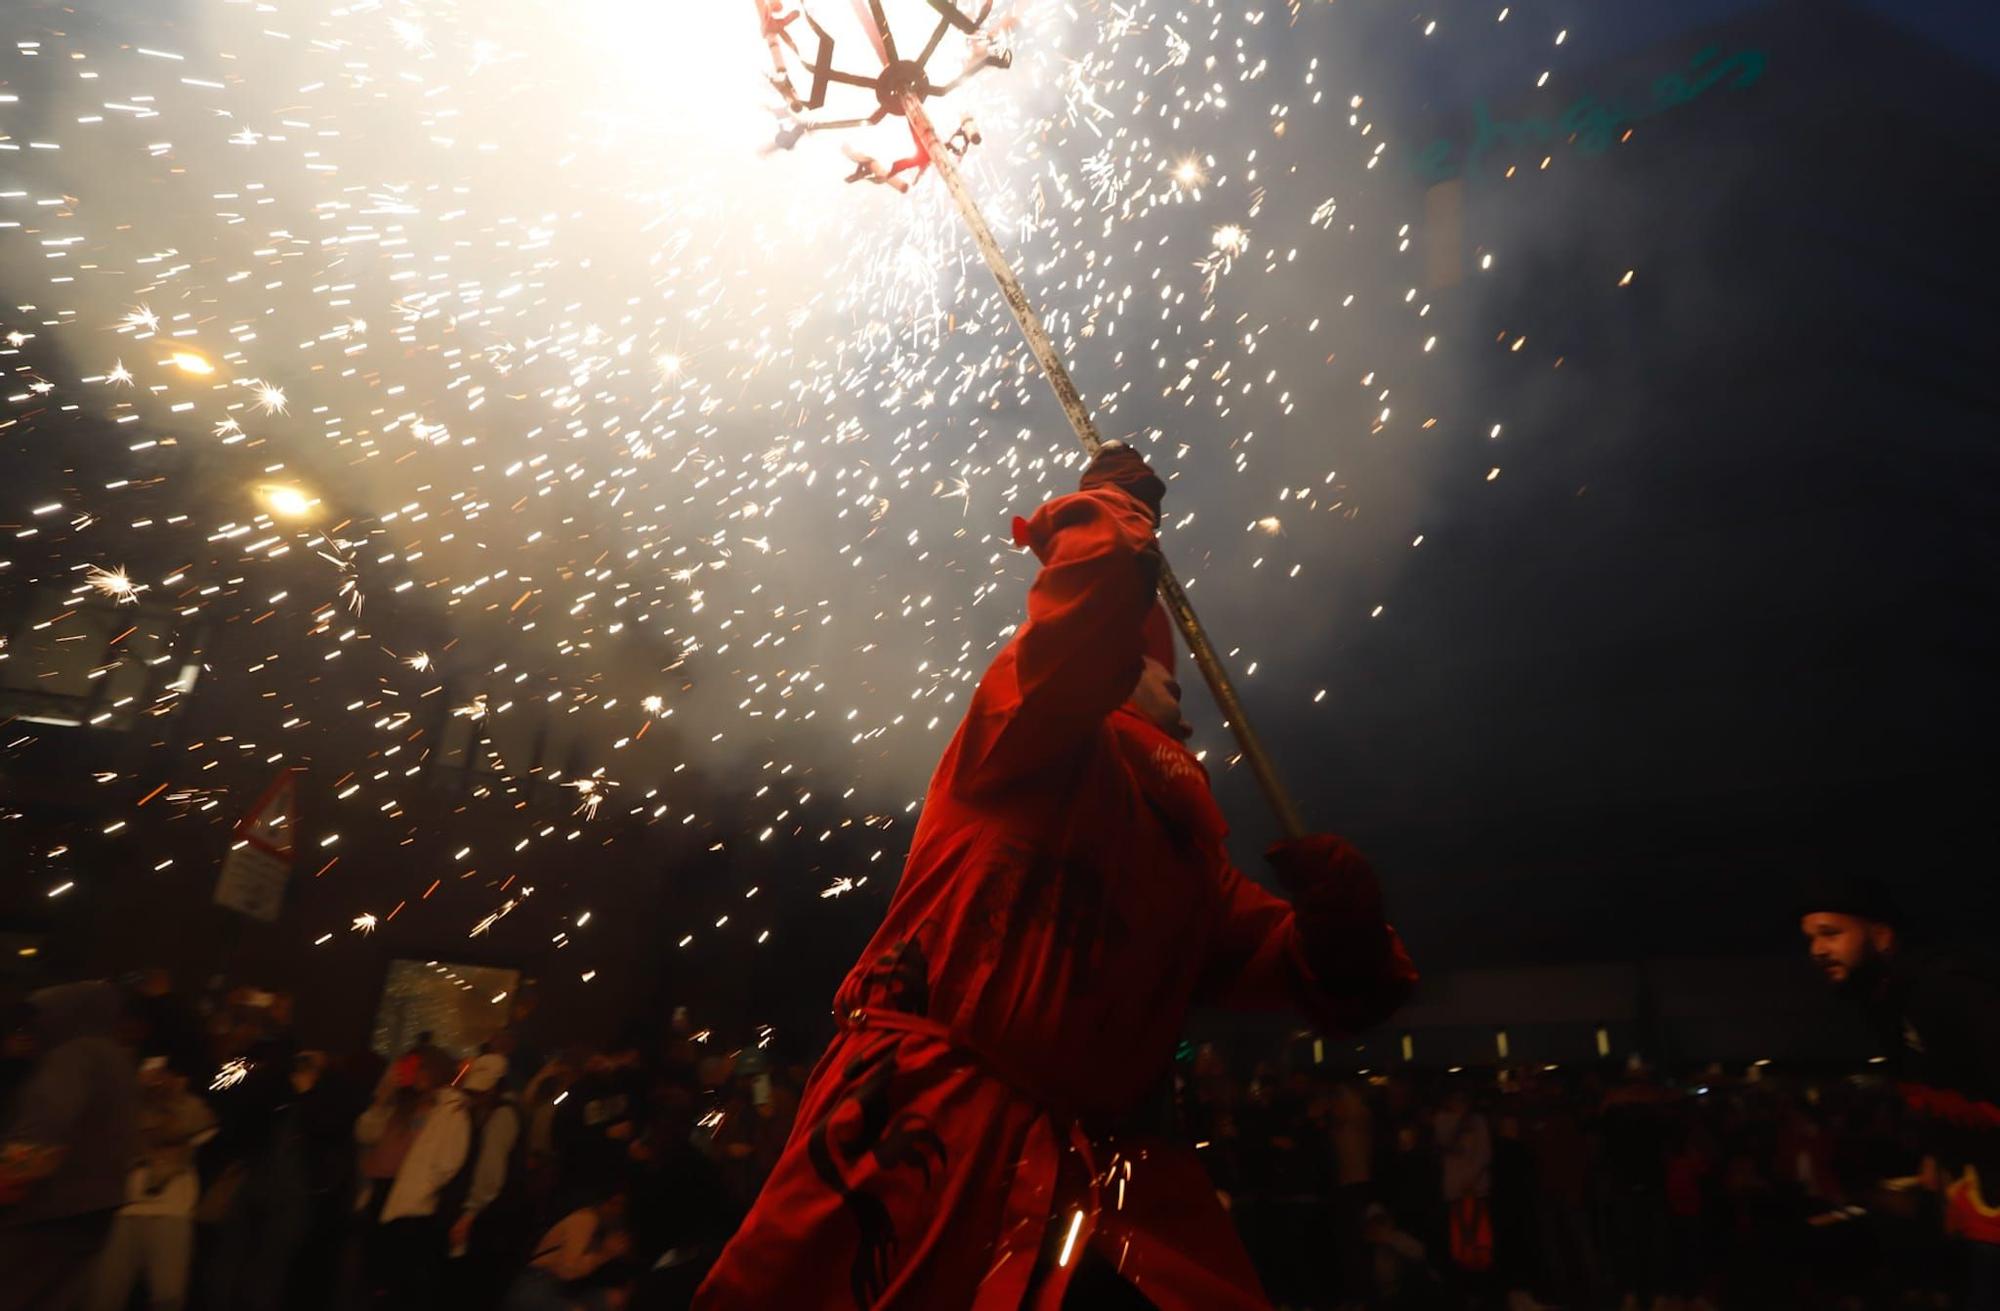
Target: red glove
point(1336, 902)
point(1118, 465)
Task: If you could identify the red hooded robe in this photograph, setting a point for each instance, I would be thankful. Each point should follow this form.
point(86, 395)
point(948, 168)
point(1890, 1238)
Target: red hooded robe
point(1067, 901)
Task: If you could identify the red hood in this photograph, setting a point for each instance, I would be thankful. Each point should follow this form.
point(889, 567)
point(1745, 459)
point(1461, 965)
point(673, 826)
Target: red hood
point(1174, 780)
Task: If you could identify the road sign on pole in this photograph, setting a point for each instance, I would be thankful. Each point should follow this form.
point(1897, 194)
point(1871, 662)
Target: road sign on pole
point(259, 863)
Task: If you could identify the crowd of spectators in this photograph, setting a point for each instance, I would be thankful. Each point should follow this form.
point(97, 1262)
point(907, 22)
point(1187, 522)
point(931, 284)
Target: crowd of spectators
point(1585, 1187)
point(158, 1153)
point(164, 1154)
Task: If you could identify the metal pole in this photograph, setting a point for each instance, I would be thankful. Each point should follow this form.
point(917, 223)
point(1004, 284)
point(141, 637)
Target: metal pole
point(1044, 351)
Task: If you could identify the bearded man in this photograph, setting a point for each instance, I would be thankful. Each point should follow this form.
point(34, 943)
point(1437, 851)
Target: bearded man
point(1938, 1020)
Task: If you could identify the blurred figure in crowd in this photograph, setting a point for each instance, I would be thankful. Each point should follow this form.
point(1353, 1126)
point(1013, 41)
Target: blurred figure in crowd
point(65, 1154)
point(542, 1101)
point(1403, 1277)
point(152, 1240)
point(1465, 1157)
point(407, 1242)
point(17, 1050)
point(1353, 1133)
point(1635, 1122)
point(596, 1124)
point(332, 1095)
point(407, 1066)
point(1938, 1019)
point(168, 1027)
point(494, 1222)
point(568, 1271)
point(256, 1201)
point(1561, 1153)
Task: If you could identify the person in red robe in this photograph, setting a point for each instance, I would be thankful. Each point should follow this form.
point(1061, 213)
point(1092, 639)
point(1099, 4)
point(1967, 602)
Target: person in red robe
point(969, 1140)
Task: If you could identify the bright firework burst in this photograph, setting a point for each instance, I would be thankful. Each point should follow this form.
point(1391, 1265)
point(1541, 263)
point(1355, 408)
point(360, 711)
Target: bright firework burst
point(114, 583)
point(596, 397)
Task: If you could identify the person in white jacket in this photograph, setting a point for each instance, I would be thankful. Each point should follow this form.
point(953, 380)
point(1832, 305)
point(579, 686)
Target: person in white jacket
point(407, 1245)
point(153, 1236)
point(495, 1221)
point(498, 1128)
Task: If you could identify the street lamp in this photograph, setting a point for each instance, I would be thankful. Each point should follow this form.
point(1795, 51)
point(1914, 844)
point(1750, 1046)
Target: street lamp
point(288, 502)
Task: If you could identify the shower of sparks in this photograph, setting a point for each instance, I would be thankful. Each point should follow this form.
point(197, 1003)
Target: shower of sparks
point(114, 583)
point(229, 1075)
point(590, 794)
point(507, 908)
point(685, 471)
point(270, 400)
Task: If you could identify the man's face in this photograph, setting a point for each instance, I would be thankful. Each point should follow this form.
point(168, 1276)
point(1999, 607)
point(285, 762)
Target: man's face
point(1843, 944)
point(1158, 699)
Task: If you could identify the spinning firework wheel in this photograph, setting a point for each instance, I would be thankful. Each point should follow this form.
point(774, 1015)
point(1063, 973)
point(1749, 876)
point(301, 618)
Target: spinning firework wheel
point(901, 86)
point(899, 78)
point(899, 83)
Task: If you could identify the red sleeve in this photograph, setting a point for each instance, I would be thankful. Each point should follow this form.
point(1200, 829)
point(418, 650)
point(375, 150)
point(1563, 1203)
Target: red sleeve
point(1328, 953)
point(1077, 657)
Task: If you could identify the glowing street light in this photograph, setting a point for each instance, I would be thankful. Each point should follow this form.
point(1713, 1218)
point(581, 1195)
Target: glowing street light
point(288, 502)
